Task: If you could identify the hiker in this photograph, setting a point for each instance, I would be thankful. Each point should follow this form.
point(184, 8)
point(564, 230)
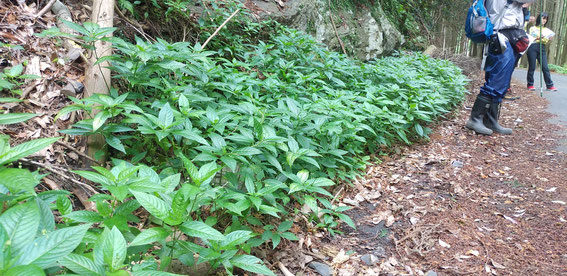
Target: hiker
point(508, 19)
point(541, 39)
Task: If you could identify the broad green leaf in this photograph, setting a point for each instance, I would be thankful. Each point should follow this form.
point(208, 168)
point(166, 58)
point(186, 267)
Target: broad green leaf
point(17, 180)
point(153, 204)
point(76, 27)
point(190, 168)
point(13, 118)
point(419, 130)
point(235, 238)
point(270, 210)
point(347, 220)
point(165, 116)
point(153, 273)
point(95, 177)
point(289, 236)
point(251, 263)
point(67, 110)
point(248, 151)
point(24, 270)
point(84, 216)
point(100, 118)
point(81, 265)
point(303, 175)
point(113, 248)
point(21, 223)
point(114, 142)
point(64, 205)
point(201, 230)
point(230, 162)
point(276, 239)
point(47, 221)
point(46, 250)
point(27, 148)
point(10, 100)
point(272, 160)
point(284, 226)
point(16, 70)
point(150, 235)
point(171, 182)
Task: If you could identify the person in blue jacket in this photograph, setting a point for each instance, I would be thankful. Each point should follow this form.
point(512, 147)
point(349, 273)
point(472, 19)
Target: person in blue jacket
point(507, 15)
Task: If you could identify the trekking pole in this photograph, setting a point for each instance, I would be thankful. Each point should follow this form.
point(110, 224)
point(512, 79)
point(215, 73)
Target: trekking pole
point(541, 45)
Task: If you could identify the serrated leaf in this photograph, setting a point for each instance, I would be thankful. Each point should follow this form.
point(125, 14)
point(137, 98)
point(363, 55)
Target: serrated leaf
point(157, 207)
point(150, 235)
point(46, 250)
point(81, 265)
point(21, 223)
point(17, 180)
point(251, 263)
point(84, 216)
point(27, 148)
point(47, 221)
point(13, 118)
point(24, 270)
point(201, 230)
point(113, 248)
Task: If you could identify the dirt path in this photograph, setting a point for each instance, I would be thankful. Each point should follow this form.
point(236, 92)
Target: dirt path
point(462, 204)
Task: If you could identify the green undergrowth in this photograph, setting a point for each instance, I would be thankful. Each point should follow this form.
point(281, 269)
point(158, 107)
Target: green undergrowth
point(222, 149)
point(557, 69)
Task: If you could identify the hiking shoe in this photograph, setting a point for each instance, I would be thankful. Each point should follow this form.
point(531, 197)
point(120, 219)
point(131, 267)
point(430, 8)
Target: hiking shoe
point(552, 88)
point(531, 87)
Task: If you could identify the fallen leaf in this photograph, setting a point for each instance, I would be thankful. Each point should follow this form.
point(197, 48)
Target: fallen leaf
point(341, 257)
point(473, 252)
point(444, 244)
point(497, 265)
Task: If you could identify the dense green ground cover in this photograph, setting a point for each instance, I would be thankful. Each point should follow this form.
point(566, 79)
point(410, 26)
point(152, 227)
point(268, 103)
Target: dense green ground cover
point(221, 146)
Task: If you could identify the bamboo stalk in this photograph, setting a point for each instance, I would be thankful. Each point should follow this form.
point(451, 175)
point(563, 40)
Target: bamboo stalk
point(219, 28)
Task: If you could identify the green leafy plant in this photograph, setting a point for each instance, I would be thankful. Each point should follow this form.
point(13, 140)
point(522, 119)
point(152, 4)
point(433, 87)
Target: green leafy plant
point(557, 68)
point(11, 78)
point(238, 135)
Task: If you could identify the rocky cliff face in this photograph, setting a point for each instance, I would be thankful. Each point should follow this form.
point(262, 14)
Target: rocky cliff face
point(364, 30)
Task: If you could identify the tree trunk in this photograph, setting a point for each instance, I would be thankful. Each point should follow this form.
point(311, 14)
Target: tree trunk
point(97, 78)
